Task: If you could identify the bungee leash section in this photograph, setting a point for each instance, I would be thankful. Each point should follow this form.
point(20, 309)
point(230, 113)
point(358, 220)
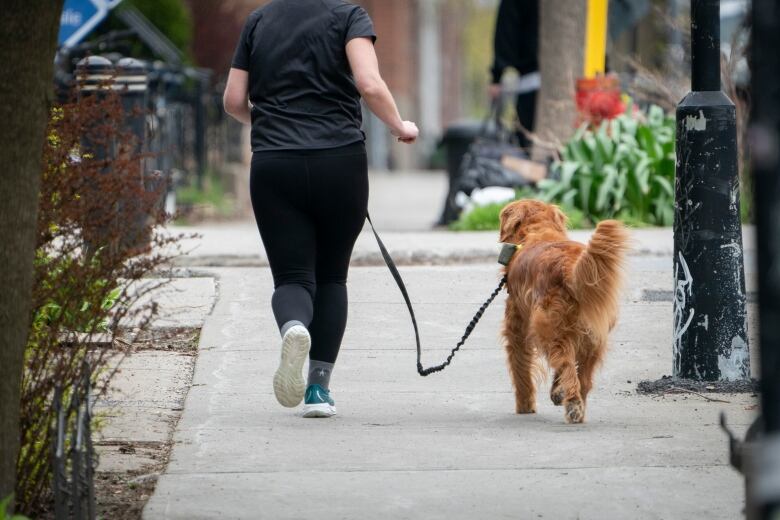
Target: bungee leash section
point(400, 282)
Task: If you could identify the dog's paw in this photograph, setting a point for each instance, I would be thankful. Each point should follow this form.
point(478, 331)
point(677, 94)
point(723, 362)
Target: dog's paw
point(556, 396)
point(575, 411)
point(523, 408)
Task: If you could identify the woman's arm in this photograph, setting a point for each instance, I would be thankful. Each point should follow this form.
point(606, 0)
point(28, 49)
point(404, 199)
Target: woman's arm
point(365, 69)
point(236, 98)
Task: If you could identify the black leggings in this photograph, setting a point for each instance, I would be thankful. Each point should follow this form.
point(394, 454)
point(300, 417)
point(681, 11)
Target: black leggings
point(310, 207)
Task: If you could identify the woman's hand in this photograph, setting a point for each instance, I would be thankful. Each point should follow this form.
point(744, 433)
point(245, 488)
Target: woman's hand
point(407, 133)
point(365, 69)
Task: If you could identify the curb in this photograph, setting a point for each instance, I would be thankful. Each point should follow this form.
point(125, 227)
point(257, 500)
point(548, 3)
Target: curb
point(374, 259)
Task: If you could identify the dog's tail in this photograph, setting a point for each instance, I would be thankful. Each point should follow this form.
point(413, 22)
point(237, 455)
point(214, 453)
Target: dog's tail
point(598, 273)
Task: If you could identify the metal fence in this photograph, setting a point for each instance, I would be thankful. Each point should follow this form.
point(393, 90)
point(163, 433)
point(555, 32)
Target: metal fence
point(73, 458)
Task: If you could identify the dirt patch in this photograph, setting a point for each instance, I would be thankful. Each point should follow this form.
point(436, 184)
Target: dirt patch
point(122, 496)
point(128, 471)
point(671, 385)
point(182, 340)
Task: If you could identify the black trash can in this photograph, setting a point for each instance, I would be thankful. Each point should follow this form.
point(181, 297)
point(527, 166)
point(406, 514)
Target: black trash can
point(456, 141)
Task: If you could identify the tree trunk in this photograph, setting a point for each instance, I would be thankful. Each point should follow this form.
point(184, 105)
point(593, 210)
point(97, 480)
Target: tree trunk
point(561, 61)
point(28, 38)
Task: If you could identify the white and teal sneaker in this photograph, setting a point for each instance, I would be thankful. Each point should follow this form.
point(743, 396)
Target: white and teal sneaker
point(289, 385)
point(318, 402)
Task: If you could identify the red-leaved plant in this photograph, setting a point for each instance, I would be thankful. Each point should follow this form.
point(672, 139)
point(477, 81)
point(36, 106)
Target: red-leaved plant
point(96, 246)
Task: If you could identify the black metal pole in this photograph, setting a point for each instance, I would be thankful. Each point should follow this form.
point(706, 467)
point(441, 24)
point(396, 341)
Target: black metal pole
point(201, 89)
point(710, 332)
point(763, 470)
point(705, 45)
point(57, 456)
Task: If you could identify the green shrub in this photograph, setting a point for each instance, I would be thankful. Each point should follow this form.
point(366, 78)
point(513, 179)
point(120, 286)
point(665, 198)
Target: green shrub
point(173, 18)
point(481, 218)
point(95, 247)
point(624, 169)
point(80, 317)
point(212, 194)
point(486, 218)
point(5, 515)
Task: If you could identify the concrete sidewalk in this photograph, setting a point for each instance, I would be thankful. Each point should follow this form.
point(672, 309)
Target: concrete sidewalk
point(448, 446)
point(404, 207)
point(238, 245)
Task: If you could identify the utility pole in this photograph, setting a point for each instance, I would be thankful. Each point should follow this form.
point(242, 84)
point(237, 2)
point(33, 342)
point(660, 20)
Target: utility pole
point(762, 465)
point(710, 332)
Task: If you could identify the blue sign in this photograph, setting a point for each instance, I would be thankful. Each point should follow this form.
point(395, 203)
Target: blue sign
point(79, 17)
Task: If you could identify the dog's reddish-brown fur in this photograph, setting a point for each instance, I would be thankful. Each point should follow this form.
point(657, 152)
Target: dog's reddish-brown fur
point(562, 304)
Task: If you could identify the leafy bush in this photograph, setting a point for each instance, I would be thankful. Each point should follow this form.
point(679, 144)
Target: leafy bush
point(172, 17)
point(95, 244)
point(624, 169)
point(191, 200)
point(5, 515)
point(81, 318)
point(481, 218)
point(486, 218)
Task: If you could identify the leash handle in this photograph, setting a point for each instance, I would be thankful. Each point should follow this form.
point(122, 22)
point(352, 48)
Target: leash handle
point(400, 282)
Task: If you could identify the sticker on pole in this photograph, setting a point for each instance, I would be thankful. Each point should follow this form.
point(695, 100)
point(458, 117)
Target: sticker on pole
point(80, 17)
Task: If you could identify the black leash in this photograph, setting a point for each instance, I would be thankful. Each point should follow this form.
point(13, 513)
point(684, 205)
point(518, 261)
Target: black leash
point(398, 280)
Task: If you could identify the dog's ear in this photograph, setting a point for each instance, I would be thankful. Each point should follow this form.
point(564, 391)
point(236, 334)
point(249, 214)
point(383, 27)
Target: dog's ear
point(560, 218)
point(511, 217)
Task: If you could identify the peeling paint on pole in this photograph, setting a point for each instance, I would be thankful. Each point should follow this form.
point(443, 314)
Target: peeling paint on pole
point(696, 123)
point(735, 363)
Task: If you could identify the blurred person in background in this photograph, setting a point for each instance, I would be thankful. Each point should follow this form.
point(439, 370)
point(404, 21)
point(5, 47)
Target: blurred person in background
point(516, 45)
point(299, 71)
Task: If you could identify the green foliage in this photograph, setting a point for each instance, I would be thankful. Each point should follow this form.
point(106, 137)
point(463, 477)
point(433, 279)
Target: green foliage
point(78, 317)
point(95, 247)
point(212, 195)
point(624, 169)
point(481, 218)
point(5, 515)
point(171, 17)
point(486, 218)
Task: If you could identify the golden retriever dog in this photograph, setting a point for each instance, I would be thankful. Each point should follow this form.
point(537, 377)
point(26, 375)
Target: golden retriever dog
point(562, 304)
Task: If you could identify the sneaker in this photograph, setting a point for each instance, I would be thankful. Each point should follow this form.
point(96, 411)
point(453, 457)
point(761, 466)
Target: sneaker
point(318, 403)
point(289, 385)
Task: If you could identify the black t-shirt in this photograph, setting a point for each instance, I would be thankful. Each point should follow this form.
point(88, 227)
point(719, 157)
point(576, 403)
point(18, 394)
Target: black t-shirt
point(301, 87)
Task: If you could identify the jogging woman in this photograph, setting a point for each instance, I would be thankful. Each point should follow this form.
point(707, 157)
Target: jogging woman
point(297, 76)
